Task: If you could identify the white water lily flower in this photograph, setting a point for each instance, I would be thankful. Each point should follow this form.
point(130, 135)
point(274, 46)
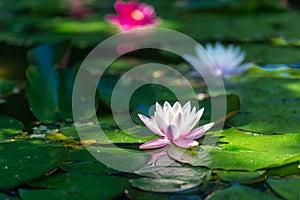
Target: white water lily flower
point(219, 60)
point(175, 124)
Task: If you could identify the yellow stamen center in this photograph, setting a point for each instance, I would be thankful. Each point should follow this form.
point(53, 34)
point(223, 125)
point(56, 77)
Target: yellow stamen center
point(137, 15)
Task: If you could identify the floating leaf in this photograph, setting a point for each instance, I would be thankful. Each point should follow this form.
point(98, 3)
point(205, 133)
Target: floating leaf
point(286, 170)
point(9, 127)
point(88, 167)
point(265, 123)
point(243, 151)
point(239, 192)
point(169, 177)
point(27, 194)
point(287, 188)
point(111, 134)
point(24, 161)
point(164, 185)
point(82, 186)
point(239, 176)
point(267, 103)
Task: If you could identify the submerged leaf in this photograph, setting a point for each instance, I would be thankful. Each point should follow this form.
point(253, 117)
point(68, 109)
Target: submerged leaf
point(287, 188)
point(239, 192)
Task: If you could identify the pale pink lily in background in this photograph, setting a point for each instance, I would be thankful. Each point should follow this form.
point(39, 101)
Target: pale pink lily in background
point(218, 60)
point(132, 14)
point(175, 125)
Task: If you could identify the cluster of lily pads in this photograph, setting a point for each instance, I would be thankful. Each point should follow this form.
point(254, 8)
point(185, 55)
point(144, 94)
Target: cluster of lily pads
point(256, 155)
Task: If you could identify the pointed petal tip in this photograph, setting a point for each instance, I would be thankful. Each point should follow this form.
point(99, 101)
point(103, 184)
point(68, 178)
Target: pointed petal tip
point(153, 144)
point(208, 126)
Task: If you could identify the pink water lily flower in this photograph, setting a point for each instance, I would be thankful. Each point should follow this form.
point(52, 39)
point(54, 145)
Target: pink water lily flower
point(219, 60)
point(132, 14)
point(175, 125)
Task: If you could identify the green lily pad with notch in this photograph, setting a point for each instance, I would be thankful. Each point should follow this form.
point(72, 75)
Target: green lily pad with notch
point(24, 161)
point(287, 188)
point(242, 151)
point(83, 186)
point(239, 176)
point(9, 127)
point(241, 192)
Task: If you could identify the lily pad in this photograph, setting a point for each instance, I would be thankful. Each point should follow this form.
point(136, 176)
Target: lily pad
point(265, 104)
point(36, 194)
point(170, 178)
point(286, 170)
point(265, 123)
point(243, 151)
point(9, 127)
point(24, 161)
point(239, 176)
point(49, 90)
point(239, 192)
point(82, 186)
point(111, 134)
point(164, 185)
point(121, 159)
point(287, 188)
point(88, 167)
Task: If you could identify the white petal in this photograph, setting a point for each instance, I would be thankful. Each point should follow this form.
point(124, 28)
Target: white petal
point(151, 124)
point(196, 133)
point(240, 69)
point(185, 143)
point(187, 107)
point(167, 106)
